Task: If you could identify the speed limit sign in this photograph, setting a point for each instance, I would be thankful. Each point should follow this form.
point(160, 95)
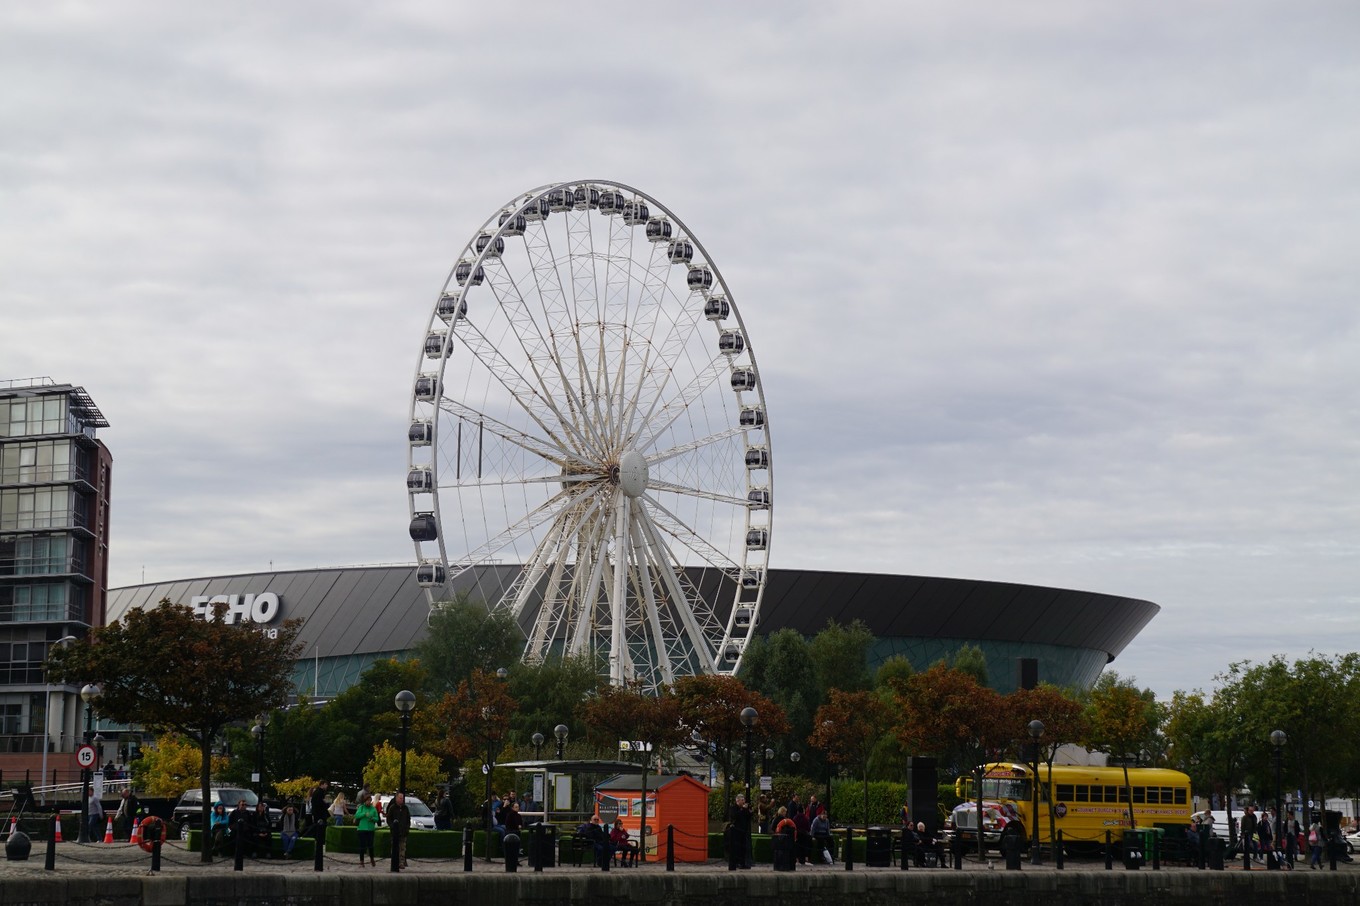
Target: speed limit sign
point(85, 756)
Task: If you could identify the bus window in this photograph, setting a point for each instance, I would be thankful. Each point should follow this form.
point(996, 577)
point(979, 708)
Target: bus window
point(1180, 795)
point(1111, 794)
point(1139, 795)
point(1083, 793)
point(1064, 792)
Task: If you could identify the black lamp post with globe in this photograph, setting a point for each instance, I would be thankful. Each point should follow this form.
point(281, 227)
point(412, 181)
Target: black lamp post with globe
point(1036, 730)
point(88, 694)
point(406, 703)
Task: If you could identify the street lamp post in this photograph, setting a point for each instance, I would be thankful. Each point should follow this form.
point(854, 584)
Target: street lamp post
point(258, 732)
point(748, 720)
point(501, 674)
point(537, 740)
point(88, 693)
point(406, 703)
point(560, 731)
point(1277, 739)
point(1036, 730)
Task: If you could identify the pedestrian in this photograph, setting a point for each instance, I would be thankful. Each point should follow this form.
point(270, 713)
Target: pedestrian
point(261, 839)
point(804, 825)
point(366, 817)
point(787, 830)
point(1315, 845)
point(128, 814)
point(739, 820)
point(1204, 829)
point(317, 807)
point(399, 822)
point(821, 837)
point(339, 807)
point(1247, 836)
point(443, 812)
point(96, 824)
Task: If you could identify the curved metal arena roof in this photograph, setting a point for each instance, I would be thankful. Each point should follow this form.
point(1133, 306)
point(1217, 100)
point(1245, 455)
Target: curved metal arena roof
point(369, 610)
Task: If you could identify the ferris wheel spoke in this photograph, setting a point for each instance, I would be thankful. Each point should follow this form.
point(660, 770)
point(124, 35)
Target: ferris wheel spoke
point(618, 599)
point(674, 526)
point(654, 485)
point(653, 615)
point(553, 452)
point(527, 523)
point(693, 445)
point(665, 415)
point(526, 394)
point(662, 558)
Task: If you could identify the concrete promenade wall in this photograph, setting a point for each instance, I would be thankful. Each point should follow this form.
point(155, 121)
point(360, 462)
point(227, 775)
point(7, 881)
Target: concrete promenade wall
point(695, 889)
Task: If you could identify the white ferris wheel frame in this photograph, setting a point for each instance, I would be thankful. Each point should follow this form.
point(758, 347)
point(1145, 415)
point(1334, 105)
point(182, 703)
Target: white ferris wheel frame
point(643, 538)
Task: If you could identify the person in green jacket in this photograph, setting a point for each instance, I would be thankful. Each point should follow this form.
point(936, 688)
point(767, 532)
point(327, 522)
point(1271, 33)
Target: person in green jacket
point(366, 816)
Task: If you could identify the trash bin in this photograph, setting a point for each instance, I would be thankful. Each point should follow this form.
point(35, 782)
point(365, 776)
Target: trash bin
point(542, 845)
point(1152, 844)
point(1217, 848)
point(1011, 846)
point(878, 847)
point(1132, 848)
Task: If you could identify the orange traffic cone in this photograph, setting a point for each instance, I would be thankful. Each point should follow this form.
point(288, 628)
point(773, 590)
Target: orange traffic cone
point(13, 826)
point(56, 835)
point(136, 832)
point(108, 831)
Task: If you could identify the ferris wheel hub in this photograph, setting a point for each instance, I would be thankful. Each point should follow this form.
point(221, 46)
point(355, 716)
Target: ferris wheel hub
point(632, 473)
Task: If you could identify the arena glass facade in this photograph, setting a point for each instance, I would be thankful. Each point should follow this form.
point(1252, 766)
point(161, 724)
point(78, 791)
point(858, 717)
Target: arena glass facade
point(354, 616)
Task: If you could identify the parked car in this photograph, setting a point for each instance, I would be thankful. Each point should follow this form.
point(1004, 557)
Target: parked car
point(421, 816)
point(188, 812)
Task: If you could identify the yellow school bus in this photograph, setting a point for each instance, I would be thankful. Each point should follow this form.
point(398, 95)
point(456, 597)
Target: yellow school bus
point(1084, 801)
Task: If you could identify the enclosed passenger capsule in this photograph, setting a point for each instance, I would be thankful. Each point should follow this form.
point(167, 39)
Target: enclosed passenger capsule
point(731, 654)
point(492, 245)
point(716, 308)
point(757, 539)
point(680, 251)
point(430, 574)
point(419, 480)
point(434, 343)
point(731, 342)
point(743, 379)
point(658, 229)
point(758, 499)
point(466, 275)
point(512, 224)
point(585, 198)
point(537, 209)
point(427, 387)
point(752, 417)
point(560, 200)
point(424, 527)
point(421, 433)
point(742, 618)
point(757, 458)
point(635, 213)
point(611, 202)
point(452, 306)
point(700, 279)
point(751, 578)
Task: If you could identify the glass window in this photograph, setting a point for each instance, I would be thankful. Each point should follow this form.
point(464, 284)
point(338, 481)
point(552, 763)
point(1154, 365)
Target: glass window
point(1083, 793)
point(1181, 794)
point(1139, 795)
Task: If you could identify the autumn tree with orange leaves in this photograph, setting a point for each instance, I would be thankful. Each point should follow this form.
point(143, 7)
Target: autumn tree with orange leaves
point(616, 713)
point(473, 719)
point(710, 715)
point(847, 728)
point(947, 713)
point(1064, 720)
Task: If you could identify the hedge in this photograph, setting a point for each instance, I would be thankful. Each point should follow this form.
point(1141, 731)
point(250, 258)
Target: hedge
point(304, 848)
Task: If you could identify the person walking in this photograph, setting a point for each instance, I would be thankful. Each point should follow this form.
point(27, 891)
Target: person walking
point(1247, 836)
point(366, 817)
point(1204, 826)
point(443, 812)
point(739, 819)
point(128, 814)
point(399, 823)
point(317, 809)
point(1315, 845)
point(338, 808)
point(96, 822)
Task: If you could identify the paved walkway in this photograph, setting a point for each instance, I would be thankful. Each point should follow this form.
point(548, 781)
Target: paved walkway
point(123, 859)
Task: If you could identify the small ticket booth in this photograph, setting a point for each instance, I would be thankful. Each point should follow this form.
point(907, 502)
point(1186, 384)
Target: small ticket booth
point(676, 799)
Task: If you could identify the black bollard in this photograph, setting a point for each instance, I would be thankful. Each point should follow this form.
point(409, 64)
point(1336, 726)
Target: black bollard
point(510, 846)
point(1157, 854)
point(1109, 853)
point(51, 864)
point(906, 857)
point(849, 850)
point(670, 847)
point(538, 845)
point(730, 844)
point(240, 836)
point(319, 850)
point(156, 855)
point(18, 846)
point(467, 847)
point(1010, 848)
point(1058, 852)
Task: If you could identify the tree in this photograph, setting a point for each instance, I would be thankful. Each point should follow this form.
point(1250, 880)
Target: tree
point(383, 770)
point(1064, 718)
point(472, 721)
point(947, 713)
point(1125, 722)
point(548, 694)
point(847, 728)
point(617, 713)
point(171, 766)
point(840, 656)
point(365, 714)
point(463, 636)
point(971, 660)
point(779, 666)
point(710, 713)
point(168, 670)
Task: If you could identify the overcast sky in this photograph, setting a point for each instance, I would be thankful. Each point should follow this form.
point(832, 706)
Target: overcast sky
point(1049, 292)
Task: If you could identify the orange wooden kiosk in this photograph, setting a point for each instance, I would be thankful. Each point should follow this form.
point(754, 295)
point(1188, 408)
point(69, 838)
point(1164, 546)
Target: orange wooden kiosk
point(676, 799)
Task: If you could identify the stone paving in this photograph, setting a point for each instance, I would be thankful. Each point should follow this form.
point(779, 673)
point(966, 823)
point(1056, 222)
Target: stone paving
point(123, 859)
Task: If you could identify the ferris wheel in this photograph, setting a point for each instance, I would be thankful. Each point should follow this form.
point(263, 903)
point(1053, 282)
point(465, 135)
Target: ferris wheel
point(586, 406)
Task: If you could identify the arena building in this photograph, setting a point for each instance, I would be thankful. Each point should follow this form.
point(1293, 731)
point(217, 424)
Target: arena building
point(356, 615)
